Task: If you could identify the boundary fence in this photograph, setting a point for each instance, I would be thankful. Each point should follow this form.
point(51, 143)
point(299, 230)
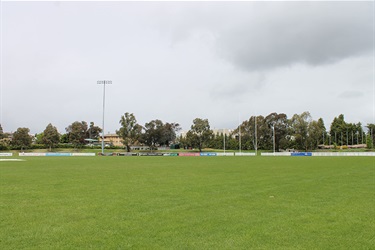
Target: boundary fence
point(206, 154)
point(6, 154)
point(56, 154)
point(319, 154)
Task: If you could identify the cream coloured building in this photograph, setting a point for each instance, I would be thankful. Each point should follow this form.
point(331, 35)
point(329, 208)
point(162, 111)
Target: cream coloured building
point(112, 139)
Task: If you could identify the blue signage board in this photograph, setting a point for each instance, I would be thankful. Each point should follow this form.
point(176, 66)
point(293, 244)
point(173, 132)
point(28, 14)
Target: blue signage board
point(301, 154)
point(58, 154)
point(208, 154)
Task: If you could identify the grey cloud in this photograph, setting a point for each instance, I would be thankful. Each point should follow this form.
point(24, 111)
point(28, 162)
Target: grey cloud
point(176, 61)
point(311, 33)
point(263, 35)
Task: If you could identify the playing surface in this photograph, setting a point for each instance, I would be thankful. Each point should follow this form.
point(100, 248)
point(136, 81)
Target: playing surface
point(188, 203)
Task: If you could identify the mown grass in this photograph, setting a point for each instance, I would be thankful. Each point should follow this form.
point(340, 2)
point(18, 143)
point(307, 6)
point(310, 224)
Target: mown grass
point(188, 203)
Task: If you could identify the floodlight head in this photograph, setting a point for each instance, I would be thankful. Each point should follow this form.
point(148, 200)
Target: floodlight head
point(105, 82)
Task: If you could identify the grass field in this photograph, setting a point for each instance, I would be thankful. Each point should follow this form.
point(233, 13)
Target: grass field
point(188, 203)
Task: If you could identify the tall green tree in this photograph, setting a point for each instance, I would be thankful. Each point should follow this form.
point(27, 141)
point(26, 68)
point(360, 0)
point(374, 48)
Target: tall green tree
point(199, 133)
point(170, 130)
point(316, 131)
point(338, 130)
point(299, 128)
point(1, 132)
point(315, 135)
point(154, 133)
point(39, 138)
point(64, 138)
point(157, 133)
point(278, 124)
point(370, 135)
point(77, 133)
point(130, 131)
point(51, 136)
point(21, 138)
point(93, 131)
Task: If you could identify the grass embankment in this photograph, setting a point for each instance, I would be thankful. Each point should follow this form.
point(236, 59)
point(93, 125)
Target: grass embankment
point(188, 202)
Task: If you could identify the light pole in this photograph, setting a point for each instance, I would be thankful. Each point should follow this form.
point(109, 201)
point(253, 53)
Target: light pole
point(105, 82)
point(273, 129)
point(256, 137)
point(224, 139)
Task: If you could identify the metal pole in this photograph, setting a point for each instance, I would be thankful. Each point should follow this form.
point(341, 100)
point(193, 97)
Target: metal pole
point(341, 138)
point(103, 131)
point(103, 119)
point(256, 137)
point(329, 141)
point(352, 139)
point(239, 128)
point(224, 139)
point(357, 138)
point(347, 137)
point(273, 128)
point(335, 138)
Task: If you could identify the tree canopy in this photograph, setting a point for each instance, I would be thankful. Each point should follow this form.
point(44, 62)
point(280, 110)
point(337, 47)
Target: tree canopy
point(130, 131)
point(299, 132)
point(51, 136)
point(21, 138)
point(199, 133)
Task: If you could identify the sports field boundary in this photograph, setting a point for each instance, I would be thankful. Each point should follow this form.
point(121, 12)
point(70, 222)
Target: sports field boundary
point(56, 154)
point(202, 154)
point(319, 154)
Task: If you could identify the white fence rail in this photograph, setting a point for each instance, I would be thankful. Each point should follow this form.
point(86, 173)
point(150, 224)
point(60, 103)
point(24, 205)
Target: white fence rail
point(276, 154)
point(56, 154)
point(6, 154)
point(343, 154)
point(244, 154)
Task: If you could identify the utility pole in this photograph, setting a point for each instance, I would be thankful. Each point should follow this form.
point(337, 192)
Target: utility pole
point(105, 82)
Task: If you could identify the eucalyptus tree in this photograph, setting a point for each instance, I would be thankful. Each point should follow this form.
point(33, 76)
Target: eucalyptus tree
point(299, 129)
point(278, 125)
point(158, 133)
point(315, 134)
point(93, 132)
point(170, 133)
point(77, 133)
point(51, 136)
point(154, 133)
point(130, 131)
point(338, 129)
point(200, 133)
point(1, 132)
point(370, 135)
point(21, 138)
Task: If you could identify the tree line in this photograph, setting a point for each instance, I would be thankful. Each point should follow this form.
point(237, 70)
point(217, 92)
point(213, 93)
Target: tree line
point(272, 132)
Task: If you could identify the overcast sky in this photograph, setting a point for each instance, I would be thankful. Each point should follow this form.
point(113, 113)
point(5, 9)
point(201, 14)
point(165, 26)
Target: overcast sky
point(176, 61)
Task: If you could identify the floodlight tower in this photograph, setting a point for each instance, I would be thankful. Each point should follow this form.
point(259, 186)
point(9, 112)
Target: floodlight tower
point(104, 82)
point(273, 139)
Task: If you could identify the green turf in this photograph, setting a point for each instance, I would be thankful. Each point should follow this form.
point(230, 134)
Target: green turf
point(188, 203)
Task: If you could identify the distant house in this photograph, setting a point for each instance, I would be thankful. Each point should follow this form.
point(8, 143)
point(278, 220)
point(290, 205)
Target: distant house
point(112, 139)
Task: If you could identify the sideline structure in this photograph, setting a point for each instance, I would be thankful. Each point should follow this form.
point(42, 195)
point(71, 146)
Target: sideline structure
point(12, 160)
point(319, 154)
point(204, 154)
point(56, 154)
point(6, 154)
